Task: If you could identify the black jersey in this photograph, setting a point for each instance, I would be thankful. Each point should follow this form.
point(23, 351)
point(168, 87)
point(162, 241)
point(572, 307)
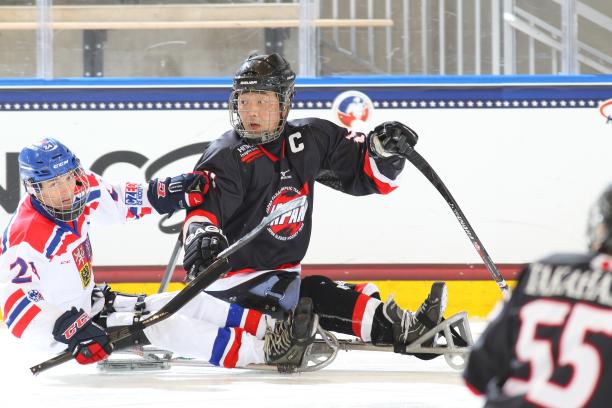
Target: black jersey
point(551, 345)
point(249, 181)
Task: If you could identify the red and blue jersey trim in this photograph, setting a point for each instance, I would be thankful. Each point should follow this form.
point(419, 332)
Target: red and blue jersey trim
point(19, 312)
point(21, 228)
point(93, 195)
point(49, 237)
point(137, 212)
point(93, 181)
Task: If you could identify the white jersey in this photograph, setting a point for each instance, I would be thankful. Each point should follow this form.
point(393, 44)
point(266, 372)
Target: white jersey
point(46, 269)
point(46, 264)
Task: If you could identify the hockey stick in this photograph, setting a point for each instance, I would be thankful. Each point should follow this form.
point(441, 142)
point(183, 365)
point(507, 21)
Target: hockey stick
point(421, 164)
point(171, 264)
point(206, 277)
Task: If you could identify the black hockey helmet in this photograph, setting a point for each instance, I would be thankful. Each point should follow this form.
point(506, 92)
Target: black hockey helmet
point(263, 73)
point(599, 229)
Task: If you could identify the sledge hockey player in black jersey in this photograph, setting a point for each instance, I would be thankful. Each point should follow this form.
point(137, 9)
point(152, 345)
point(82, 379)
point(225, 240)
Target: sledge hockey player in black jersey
point(551, 344)
point(266, 160)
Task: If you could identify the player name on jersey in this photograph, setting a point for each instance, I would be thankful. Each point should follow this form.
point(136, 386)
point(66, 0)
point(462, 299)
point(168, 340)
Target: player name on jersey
point(576, 283)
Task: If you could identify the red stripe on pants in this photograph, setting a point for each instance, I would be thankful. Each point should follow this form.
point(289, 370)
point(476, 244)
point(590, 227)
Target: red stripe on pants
point(358, 311)
point(231, 358)
point(252, 322)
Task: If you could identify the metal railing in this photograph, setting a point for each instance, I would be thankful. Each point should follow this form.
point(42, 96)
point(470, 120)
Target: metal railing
point(475, 37)
point(329, 37)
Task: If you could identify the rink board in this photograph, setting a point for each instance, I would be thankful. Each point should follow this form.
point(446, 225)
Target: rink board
point(523, 156)
point(477, 298)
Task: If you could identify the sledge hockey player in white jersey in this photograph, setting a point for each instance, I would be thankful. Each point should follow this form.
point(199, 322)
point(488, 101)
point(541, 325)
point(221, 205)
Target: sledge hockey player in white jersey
point(47, 291)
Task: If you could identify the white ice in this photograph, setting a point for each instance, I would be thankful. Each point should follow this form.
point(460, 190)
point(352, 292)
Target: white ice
point(356, 379)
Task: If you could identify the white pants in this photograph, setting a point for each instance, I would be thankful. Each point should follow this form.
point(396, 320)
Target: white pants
point(224, 334)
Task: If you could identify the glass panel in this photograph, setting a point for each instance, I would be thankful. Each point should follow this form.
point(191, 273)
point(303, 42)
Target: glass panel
point(17, 45)
point(208, 38)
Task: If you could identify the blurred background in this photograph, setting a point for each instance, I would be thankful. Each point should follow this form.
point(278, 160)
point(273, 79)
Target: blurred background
point(198, 38)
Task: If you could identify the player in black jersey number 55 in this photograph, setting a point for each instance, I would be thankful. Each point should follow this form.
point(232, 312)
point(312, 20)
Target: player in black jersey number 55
point(551, 344)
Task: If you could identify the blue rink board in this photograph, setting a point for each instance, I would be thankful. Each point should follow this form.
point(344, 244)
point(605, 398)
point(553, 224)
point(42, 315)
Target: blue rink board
point(386, 92)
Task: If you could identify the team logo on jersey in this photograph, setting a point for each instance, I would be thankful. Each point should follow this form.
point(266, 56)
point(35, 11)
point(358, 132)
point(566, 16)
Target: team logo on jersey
point(161, 189)
point(133, 194)
point(82, 259)
point(249, 153)
point(353, 109)
point(606, 110)
point(290, 224)
point(35, 296)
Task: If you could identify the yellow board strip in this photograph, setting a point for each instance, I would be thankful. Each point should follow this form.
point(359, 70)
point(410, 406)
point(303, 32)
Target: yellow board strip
point(477, 298)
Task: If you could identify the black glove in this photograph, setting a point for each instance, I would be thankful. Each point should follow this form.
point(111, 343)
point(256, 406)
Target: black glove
point(391, 139)
point(179, 192)
point(87, 341)
point(202, 244)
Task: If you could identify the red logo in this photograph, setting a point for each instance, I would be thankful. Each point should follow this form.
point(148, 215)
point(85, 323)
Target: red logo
point(131, 187)
point(290, 224)
point(78, 323)
point(606, 110)
point(194, 199)
point(82, 258)
point(161, 189)
point(353, 109)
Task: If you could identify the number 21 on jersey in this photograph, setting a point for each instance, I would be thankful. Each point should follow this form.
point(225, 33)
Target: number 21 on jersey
point(22, 269)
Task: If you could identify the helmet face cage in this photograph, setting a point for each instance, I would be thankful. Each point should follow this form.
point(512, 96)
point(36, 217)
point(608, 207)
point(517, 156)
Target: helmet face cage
point(278, 110)
point(265, 75)
point(599, 228)
point(64, 196)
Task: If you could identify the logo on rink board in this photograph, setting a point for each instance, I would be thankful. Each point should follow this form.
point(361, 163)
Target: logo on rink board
point(606, 110)
point(290, 224)
point(353, 109)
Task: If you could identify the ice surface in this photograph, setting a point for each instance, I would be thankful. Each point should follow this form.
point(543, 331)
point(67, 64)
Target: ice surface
point(356, 379)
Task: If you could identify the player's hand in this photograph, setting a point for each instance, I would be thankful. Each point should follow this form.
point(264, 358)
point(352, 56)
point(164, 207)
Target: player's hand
point(203, 243)
point(391, 139)
point(87, 341)
point(179, 192)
